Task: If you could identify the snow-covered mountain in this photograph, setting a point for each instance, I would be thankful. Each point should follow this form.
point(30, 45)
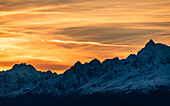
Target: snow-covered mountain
point(147, 71)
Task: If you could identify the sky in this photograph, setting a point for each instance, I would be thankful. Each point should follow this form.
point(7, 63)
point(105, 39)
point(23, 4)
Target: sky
point(54, 34)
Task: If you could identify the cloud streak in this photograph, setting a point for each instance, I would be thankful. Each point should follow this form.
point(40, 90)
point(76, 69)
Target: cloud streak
point(91, 43)
point(61, 32)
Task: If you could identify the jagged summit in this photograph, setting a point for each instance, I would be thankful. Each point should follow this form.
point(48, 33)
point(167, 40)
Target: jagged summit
point(147, 71)
point(116, 59)
point(95, 62)
point(151, 42)
point(49, 71)
point(23, 67)
point(77, 63)
point(150, 45)
point(131, 56)
point(151, 49)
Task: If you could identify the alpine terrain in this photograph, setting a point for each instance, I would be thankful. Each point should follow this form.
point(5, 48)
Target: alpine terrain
point(142, 79)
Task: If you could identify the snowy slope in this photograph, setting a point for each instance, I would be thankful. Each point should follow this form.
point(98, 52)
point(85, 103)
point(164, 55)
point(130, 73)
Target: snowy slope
point(144, 72)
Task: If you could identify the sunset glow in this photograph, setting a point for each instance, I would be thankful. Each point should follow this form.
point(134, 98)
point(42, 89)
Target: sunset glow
point(54, 34)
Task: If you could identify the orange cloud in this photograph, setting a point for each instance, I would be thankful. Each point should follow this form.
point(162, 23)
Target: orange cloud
point(54, 34)
point(92, 43)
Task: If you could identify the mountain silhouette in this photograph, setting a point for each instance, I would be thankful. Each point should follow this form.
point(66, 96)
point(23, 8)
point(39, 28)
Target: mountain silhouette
point(144, 73)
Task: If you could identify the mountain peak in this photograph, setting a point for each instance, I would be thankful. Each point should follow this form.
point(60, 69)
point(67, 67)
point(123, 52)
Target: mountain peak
point(77, 63)
point(150, 43)
point(23, 67)
point(153, 51)
point(95, 62)
point(49, 71)
point(116, 59)
point(144, 72)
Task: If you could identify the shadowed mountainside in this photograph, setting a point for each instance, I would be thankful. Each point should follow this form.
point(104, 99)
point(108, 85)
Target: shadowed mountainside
point(141, 76)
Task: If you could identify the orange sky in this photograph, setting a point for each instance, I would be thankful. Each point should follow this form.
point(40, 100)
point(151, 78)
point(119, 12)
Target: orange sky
point(54, 34)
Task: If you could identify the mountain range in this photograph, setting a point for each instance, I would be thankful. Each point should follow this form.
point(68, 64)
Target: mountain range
point(144, 73)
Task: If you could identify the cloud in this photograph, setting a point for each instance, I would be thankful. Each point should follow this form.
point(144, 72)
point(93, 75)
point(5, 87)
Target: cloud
point(61, 32)
point(91, 43)
point(106, 34)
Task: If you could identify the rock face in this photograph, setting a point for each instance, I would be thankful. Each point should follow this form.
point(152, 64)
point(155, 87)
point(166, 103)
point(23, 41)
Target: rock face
point(145, 72)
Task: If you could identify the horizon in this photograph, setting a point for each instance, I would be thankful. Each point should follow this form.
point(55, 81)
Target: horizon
point(151, 40)
point(54, 34)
